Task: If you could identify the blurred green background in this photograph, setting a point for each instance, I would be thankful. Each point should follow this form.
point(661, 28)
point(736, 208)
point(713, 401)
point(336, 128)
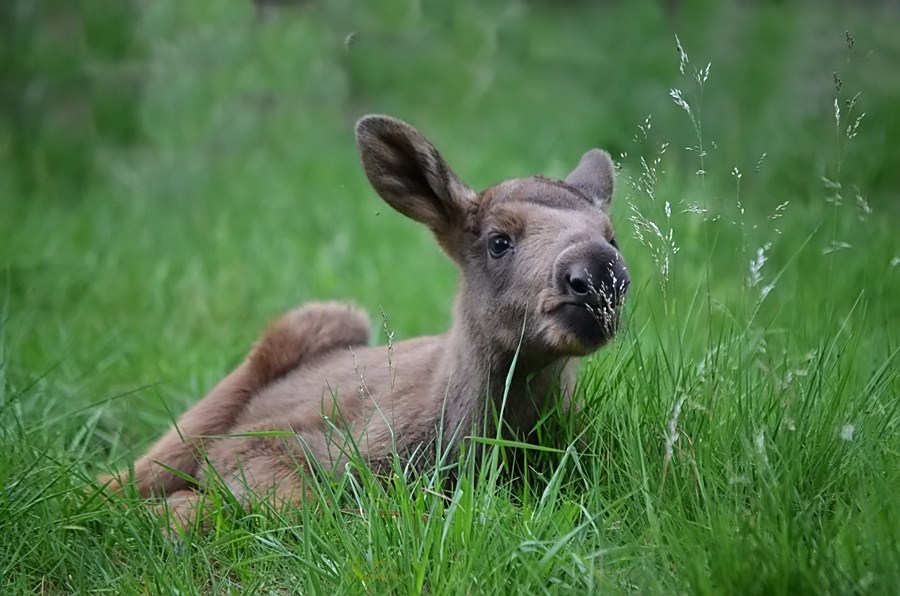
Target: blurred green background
point(92, 88)
point(174, 174)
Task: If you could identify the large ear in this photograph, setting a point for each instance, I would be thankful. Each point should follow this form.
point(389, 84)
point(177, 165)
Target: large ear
point(595, 177)
point(411, 176)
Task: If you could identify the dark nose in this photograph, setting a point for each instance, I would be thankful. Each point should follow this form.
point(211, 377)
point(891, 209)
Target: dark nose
point(594, 273)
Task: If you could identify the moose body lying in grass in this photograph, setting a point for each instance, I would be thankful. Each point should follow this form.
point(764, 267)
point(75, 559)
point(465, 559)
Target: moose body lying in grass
point(541, 282)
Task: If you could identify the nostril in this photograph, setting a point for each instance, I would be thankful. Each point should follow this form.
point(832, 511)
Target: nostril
point(579, 282)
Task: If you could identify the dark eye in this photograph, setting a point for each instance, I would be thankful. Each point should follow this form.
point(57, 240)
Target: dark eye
point(498, 244)
point(615, 245)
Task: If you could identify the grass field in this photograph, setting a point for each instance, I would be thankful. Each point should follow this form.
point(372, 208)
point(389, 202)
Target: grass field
point(199, 177)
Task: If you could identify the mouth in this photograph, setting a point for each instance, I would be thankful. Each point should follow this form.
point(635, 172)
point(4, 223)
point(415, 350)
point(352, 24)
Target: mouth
point(590, 324)
point(604, 315)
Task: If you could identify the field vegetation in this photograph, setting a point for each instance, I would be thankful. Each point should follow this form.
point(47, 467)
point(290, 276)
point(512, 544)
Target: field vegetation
point(173, 175)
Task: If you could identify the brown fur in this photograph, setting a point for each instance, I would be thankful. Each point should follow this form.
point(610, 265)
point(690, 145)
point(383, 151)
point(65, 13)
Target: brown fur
point(554, 294)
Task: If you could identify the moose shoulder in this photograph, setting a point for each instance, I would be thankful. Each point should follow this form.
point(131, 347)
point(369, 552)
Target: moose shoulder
point(541, 281)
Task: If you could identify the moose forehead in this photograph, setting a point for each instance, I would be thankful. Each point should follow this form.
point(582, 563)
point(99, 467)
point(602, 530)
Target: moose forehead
point(537, 189)
point(514, 202)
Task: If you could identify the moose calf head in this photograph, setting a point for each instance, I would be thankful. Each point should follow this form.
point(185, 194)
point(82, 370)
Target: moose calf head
point(540, 269)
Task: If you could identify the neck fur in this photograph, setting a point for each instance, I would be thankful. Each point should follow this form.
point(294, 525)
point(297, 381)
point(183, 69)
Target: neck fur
point(471, 383)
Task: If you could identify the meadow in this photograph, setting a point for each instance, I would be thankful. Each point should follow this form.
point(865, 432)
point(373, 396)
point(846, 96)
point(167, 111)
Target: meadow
point(173, 175)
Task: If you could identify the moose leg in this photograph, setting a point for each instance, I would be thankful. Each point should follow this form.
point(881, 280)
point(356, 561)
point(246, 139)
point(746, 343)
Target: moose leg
point(178, 448)
point(292, 339)
point(265, 467)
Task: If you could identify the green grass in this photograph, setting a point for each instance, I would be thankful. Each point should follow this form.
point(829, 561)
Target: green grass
point(742, 434)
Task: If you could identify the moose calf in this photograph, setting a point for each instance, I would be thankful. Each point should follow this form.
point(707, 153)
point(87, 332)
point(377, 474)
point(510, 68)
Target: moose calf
point(541, 282)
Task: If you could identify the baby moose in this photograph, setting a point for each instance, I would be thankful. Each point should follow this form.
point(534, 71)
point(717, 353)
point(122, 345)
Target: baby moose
point(541, 282)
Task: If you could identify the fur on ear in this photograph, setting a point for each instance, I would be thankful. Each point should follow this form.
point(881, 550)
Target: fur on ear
point(410, 174)
point(595, 177)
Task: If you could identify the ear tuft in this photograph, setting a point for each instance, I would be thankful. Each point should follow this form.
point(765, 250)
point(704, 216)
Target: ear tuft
point(595, 177)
